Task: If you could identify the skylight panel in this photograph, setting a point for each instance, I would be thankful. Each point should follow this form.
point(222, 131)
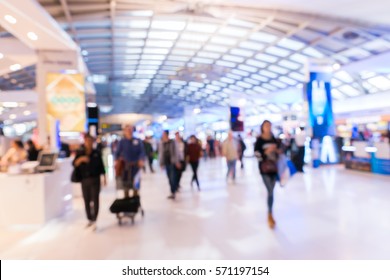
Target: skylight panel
point(241, 52)
point(202, 27)
point(164, 35)
point(195, 37)
point(277, 51)
point(159, 44)
point(260, 78)
point(278, 69)
point(349, 90)
point(263, 37)
point(380, 82)
point(256, 63)
point(252, 81)
point(168, 25)
point(215, 48)
point(310, 51)
point(240, 72)
point(137, 34)
point(244, 85)
point(227, 80)
point(247, 68)
point(268, 74)
point(209, 55)
point(252, 45)
point(153, 57)
point(156, 51)
point(232, 31)
point(290, 65)
point(144, 24)
point(223, 41)
point(233, 58)
point(266, 58)
point(202, 60)
point(291, 44)
point(226, 63)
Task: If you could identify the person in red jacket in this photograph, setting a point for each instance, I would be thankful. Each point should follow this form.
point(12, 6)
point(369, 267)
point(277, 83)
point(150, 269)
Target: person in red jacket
point(193, 155)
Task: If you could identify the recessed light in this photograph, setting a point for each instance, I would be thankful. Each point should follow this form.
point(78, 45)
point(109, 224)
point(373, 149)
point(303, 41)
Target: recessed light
point(10, 104)
point(84, 52)
point(12, 116)
point(10, 19)
point(1, 55)
point(15, 67)
point(27, 113)
point(32, 36)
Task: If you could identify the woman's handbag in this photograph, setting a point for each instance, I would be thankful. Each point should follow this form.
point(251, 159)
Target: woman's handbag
point(76, 176)
point(268, 166)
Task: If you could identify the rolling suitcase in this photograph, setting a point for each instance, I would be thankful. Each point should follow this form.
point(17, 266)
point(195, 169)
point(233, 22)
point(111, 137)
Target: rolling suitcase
point(128, 206)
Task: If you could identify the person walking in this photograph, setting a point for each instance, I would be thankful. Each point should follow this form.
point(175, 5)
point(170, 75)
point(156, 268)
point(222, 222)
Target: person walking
point(300, 139)
point(170, 160)
point(241, 150)
point(149, 153)
point(267, 150)
point(129, 159)
point(91, 169)
point(193, 155)
point(181, 148)
point(230, 152)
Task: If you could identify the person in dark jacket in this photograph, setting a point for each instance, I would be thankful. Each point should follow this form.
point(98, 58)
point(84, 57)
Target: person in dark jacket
point(149, 153)
point(267, 148)
point(91, 169)
point(32, 151)
point(193, 155)
point(242, 148)
point(170, 160)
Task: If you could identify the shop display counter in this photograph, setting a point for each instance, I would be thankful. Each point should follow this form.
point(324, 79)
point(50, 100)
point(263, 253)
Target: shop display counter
point(370, 158)
point(35, 198)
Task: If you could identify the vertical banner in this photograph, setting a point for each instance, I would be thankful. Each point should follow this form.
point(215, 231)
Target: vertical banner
point(236, 119)
point(320, 105)
point(65, 101)
point(319, 98)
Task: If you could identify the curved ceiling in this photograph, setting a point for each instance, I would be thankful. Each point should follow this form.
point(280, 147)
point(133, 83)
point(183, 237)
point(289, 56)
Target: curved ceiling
point(159, 56)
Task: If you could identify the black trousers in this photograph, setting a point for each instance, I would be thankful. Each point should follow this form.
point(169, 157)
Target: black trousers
point(150, 161)
point(91, 190)
point(180, 171)
point(194, 167)
point(300, 159)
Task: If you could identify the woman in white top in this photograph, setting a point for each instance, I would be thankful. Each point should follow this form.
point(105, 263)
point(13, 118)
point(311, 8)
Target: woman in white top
point(16, 154)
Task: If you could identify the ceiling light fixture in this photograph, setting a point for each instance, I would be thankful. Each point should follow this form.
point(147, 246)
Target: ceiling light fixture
point(15, 67)
point(10, 19)
point(32, 36)
point(12, 116)
point(10, 104)
point(1, 55)
point(84, 52)
point(27, 113)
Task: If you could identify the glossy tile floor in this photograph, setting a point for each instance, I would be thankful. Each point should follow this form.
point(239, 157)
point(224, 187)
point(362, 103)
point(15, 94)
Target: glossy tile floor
point(327, 213)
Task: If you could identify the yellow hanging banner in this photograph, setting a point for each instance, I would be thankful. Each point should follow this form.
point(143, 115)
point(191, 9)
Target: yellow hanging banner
point(66, 101)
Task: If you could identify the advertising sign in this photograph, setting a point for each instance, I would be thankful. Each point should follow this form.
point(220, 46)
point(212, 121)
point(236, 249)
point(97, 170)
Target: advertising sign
point(65, 101)
point(320, 105)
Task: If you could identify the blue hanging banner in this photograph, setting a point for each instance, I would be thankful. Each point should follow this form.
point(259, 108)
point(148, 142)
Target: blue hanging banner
point(319, 99)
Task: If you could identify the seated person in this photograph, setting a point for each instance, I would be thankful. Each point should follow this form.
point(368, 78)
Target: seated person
point(15, 155)
point(32, 151)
